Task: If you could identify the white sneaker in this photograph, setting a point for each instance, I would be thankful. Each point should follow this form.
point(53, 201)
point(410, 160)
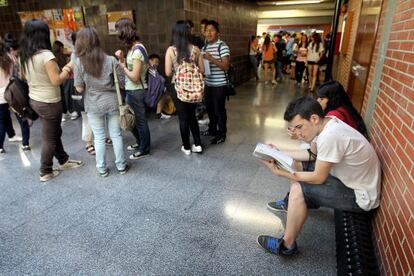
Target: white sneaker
point(186, 152)
point(63, 118)
point(274, 82)
point(16, 138)
point(196, 149)
point(165, 116)
point(74, 115)
point(205, 121)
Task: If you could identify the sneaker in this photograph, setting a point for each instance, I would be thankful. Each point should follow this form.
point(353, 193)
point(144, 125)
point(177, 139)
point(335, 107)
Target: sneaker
point(274, 82)
point(71, 164)
point(275, 245)
point(207, 133)
point(63, 119)
point(26, 147)
point(277, 206)
point(133, 147)
point(49, 176)
point(16, 138)
point(196, 149)
point(205, 121)
point(164, 116)
point(218, 140)
point(186, 151)
point(2, 151)
point(74, 115)
point(138, 155)
point(105, 173)
point(124, 171)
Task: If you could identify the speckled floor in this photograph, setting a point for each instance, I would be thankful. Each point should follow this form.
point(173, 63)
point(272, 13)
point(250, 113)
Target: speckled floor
point(170, 214)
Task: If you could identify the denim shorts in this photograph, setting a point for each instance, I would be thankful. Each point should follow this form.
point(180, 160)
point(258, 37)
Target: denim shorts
point(332, 193)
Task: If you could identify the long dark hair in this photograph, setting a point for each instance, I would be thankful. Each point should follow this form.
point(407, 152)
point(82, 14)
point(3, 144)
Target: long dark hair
point(57, 49)
point(180, 39)
point(6, 63)
point(127, 31)
point(316, 40)
point(35, 37)
point(88, 49)
point(337, 97)
point(300, 45)
point(266, 42)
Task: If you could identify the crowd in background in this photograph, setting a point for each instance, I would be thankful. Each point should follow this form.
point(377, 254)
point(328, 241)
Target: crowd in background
point(301, 56)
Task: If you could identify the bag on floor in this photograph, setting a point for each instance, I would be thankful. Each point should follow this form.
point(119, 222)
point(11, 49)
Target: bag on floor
point(156, 88)
point(189, 81)
point(126, 114)
point(16, 95)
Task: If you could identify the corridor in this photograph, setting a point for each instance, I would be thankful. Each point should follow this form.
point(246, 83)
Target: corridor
point(171, 214)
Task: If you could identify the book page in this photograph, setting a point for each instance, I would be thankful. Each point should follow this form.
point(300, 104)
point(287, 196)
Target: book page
point(266, 152)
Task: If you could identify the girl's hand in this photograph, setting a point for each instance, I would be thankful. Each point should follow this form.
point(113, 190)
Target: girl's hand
point(120, 55)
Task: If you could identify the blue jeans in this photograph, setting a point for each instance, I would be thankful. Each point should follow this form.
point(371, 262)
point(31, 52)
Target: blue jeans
point(97, 122)
point(279, 65)
point(141, 132)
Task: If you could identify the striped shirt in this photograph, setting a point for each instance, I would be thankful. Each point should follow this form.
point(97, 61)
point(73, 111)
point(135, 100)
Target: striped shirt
point(217, 77)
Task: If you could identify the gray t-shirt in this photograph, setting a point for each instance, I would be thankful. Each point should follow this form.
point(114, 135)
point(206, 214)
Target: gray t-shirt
point(100, 93)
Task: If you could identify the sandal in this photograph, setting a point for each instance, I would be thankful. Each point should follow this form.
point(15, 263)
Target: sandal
point(90, 149)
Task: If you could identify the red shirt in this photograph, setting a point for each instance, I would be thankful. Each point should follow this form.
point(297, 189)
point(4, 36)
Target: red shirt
point(343, 115)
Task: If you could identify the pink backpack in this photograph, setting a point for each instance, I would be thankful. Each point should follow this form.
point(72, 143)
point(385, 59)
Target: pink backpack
point(189, 81)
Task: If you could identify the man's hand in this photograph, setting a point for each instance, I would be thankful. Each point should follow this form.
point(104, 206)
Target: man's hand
point(208, 56)
point(276, 170)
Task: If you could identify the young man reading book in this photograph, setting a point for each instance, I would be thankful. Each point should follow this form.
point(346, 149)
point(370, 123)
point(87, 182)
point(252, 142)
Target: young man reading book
point(346, 176)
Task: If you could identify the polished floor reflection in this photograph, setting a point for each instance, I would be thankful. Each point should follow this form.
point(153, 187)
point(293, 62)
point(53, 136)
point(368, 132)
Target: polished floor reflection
point(171, 214)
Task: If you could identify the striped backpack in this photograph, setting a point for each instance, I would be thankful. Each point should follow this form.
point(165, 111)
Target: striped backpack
point(189, 81)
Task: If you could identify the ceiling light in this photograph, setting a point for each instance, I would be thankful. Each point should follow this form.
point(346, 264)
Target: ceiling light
point(285, 3)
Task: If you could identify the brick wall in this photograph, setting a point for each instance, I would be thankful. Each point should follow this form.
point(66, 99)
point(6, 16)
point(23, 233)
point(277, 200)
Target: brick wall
point(392, 132)
point(238, 21)
point(345, 59)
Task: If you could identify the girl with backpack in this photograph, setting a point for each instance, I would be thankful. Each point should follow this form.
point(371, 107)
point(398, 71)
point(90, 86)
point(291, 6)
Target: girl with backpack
point(182, 53)
point(135, 67)
point(43, 76)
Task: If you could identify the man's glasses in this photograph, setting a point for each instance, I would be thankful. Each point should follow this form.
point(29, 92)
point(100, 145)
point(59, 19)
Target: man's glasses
point(294, 128)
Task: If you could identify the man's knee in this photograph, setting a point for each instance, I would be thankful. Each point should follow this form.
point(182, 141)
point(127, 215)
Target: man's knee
point(295, 193)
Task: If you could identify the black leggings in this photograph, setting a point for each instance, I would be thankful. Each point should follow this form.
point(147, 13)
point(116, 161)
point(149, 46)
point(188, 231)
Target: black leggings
point(188, 121)
point(300, 67)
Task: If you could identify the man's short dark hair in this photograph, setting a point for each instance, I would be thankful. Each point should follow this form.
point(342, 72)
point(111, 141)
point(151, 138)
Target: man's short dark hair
point(303, 106)
point(204, 21)
point(213, 23)
point(153, 56)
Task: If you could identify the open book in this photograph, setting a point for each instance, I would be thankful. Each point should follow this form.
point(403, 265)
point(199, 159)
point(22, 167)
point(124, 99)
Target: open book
point(266, 152)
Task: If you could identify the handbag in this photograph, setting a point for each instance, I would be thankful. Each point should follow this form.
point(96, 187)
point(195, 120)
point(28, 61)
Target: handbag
point(126, 114)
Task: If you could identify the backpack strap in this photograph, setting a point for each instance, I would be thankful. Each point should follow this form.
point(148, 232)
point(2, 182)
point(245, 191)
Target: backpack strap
point(225, 72)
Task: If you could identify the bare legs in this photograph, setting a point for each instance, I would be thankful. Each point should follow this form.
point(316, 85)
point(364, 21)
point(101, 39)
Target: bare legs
point(313, 71)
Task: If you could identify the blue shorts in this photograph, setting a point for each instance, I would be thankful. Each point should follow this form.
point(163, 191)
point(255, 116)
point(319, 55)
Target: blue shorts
point(332, 193)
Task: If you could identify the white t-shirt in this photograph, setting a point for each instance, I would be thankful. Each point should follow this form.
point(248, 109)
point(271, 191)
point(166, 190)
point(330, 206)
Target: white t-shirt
point(354, 160)
point(314, 55)
point(40, 87)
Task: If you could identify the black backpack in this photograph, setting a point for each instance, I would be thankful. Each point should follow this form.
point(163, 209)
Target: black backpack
point(17, 96)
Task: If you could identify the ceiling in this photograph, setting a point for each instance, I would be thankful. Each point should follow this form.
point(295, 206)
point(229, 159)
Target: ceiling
point(295, 12)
